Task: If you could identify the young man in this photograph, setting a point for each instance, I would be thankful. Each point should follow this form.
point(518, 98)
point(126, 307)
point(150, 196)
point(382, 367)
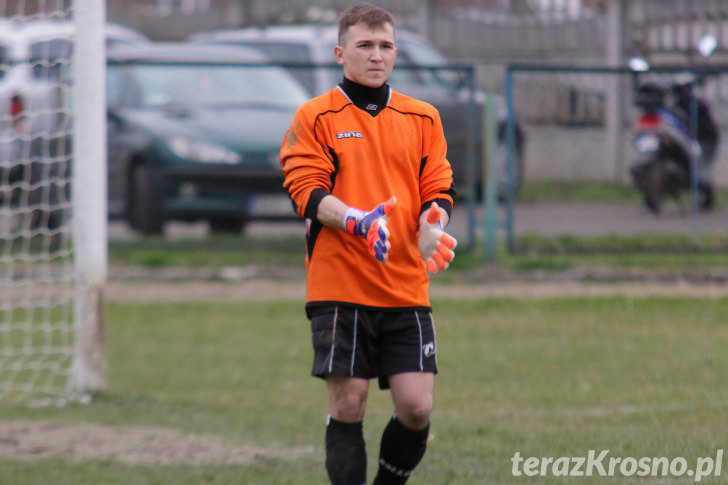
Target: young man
point(366, 167)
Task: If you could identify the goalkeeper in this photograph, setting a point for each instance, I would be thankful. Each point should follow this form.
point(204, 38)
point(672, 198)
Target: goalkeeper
point(366, 167)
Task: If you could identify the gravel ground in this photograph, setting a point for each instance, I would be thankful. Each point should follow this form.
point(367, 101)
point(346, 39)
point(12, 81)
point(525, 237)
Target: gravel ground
point(544, 219)
point(261, 290)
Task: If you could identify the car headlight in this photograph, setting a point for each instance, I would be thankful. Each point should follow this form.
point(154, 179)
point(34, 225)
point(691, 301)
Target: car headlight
point(647, 143)
point(203, 152)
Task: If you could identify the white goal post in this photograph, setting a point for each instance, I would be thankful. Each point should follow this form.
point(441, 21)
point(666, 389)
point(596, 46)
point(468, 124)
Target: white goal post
point(89, 196)
point(53, 212)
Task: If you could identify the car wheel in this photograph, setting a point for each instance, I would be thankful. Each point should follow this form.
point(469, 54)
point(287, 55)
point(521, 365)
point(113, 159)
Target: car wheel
point(50, 220)
point(145, 211)
point(227, 225)
point(50, 195)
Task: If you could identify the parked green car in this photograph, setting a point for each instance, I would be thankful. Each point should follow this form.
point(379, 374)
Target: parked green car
point(194, 133)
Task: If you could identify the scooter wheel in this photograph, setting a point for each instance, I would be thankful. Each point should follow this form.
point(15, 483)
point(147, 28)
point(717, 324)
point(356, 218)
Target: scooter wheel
point(706, 197)
point(652, 204)
point(653, 188)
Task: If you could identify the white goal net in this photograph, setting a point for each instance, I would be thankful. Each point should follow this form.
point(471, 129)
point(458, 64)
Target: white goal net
point(51, 276)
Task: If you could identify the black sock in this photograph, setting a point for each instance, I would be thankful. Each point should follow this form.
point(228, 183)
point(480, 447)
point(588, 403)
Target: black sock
point(401, 450)
point(346, 456)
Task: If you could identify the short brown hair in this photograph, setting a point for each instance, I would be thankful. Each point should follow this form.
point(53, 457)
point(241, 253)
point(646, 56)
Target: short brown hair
point(371, 15)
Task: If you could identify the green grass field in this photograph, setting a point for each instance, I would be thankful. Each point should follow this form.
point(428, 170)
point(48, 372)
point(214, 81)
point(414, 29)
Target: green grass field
point(547, 377)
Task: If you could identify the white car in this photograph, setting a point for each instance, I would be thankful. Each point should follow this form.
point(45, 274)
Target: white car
point(35, 100)
point(36, 57)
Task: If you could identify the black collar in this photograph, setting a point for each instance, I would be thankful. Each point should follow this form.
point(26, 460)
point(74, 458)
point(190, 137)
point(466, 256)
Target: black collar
point(371, 100)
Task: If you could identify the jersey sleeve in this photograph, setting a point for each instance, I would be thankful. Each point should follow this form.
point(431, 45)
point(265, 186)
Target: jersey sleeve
point(307, 169)
point(436, 182)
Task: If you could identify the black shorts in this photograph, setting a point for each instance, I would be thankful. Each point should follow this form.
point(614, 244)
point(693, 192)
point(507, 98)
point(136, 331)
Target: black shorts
point(368, 343)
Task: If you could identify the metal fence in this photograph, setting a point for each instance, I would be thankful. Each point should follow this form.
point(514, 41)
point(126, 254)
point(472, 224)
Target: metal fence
point(580, 124)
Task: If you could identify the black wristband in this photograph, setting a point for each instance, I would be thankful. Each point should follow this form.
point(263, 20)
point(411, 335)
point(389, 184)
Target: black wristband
point(313, 203)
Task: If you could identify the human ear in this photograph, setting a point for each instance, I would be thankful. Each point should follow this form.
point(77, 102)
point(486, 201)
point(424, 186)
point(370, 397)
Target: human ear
point(339, 55)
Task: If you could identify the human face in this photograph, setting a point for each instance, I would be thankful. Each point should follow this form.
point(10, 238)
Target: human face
point(367, 55)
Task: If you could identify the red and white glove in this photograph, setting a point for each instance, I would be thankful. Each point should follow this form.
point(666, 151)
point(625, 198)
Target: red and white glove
point(372, 226)
point(435, 245)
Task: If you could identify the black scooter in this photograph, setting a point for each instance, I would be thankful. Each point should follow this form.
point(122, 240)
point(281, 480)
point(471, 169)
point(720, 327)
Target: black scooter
point(671, 160)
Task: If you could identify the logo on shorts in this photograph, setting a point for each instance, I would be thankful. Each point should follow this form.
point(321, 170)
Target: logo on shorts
point(428, 349)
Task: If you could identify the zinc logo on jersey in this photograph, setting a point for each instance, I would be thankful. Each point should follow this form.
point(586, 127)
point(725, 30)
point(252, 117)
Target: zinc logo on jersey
point(349, 134)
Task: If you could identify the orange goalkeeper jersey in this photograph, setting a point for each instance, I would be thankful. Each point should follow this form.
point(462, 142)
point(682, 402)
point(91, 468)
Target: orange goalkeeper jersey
point(334, 147)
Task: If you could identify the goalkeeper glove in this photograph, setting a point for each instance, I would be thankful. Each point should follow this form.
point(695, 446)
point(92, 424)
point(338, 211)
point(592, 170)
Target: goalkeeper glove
point(372, 226)
point(435, 245)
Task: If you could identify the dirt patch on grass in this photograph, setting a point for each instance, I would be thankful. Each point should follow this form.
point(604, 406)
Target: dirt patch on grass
point(276, 281)
point(262, 290)
point(28, 440)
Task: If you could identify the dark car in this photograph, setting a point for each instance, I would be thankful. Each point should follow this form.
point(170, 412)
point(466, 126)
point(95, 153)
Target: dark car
point(194, 133)
point(445, 89)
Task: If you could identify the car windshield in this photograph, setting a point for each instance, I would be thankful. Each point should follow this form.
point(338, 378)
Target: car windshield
point(285, 52)
point(218, 86)
point(49, 58)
